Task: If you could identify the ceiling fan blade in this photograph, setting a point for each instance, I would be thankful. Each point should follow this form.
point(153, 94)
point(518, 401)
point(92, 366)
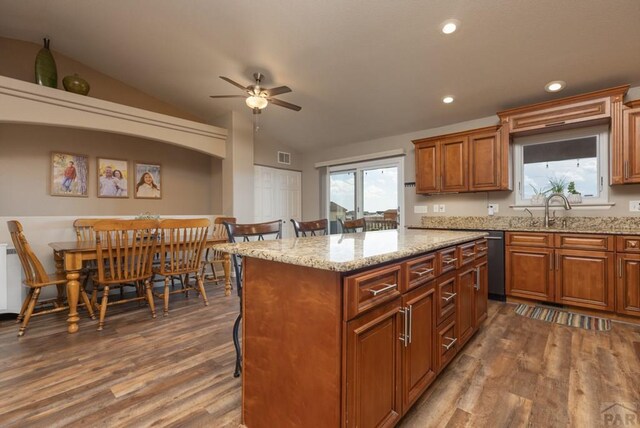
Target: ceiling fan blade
point(226, 79)
point(227, 96)
point(277, 91)
point(284, 104)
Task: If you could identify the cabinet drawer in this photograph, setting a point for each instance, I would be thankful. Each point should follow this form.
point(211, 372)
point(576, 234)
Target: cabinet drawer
point(420, 270)
point(585, 242)
point(628, 244)
point(446, 294)
point(525, 239)
point(466, 253)
point(481, 248)
point(447, 260)
point(561, 115)
point(367, 290)
point(446, 343)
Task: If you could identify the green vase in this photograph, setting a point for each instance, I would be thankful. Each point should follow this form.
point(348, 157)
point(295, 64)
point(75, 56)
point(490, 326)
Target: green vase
point(46, 73)
point(76, 84)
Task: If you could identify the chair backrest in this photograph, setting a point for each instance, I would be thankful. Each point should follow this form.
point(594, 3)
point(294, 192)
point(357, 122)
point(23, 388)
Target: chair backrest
point(381, 224)
point(33, 271)
point(219, 231)
point(84, 229)
point(181, 244)
point(351, 226)
point(246, 233)
point(125, 249)
point(309, 228)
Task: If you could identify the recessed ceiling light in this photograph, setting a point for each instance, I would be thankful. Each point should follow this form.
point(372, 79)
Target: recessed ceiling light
point(447, 99)
point(450, 25)
point(555, 86)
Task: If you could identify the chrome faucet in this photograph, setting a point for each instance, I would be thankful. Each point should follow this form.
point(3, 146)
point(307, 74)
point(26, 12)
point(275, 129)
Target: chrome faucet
point(567, 206)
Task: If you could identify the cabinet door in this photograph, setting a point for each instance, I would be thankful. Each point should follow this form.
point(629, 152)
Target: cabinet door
point(628, 284)
point(419, 367)
point(481, 292)
point(465, 312)
point(631, 146)
point(529, 273)
point(585, 278)
point(484, 161)
point(373, 367)
point(427, 167)
point(454, 166)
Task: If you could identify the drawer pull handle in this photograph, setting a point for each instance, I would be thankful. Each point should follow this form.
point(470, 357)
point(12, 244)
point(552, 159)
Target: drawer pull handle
point(453, 342)
point(449, 297)
point(482, 249)
point(387, 287)
point(447, 261)
point(468, 254)
point(423, 271)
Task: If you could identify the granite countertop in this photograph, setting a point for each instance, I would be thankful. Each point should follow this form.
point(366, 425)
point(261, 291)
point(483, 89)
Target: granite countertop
point(350, 251)
point(592, 225)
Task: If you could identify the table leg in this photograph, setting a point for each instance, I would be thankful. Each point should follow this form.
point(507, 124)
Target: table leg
point(73, 265)
point(226, 265)
point(59, 269)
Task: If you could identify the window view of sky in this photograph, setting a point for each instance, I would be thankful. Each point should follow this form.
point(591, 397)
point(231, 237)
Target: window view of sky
point(380, 189)
point(583, 172)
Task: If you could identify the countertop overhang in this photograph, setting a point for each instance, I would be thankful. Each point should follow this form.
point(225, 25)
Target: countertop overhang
point(351, 251)
point(537, 229)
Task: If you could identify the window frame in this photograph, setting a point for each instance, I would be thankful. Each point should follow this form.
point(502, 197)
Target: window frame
point(601, 132)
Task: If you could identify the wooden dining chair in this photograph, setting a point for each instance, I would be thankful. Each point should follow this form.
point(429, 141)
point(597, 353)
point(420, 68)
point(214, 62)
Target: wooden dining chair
point(85, 233)
point(310, 228)
point(245, 233)
point(36, 278)
point(212, 255)
point(182, 244)
point(125, 250)
point(352, 226)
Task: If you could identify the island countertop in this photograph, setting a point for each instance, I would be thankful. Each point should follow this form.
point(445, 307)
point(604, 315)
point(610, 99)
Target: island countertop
point(351, 251)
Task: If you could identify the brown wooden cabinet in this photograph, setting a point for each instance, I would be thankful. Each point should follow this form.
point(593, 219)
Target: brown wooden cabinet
point(373, 368)
point(585, 278)
point(628, 284)
point(465, 312)
point(460, 162)
point(529, 273)
point(631, 145)
point(481, 292)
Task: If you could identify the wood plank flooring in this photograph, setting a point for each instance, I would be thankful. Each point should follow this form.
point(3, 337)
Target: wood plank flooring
point(177, 371)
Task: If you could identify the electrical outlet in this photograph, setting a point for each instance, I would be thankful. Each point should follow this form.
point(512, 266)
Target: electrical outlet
point(420, 209)
point(634, 206)
point(441, 208)
point(493, 208)
point(436, 208)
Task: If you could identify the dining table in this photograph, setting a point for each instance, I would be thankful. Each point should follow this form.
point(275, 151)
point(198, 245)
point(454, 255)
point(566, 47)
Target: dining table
point(70, 256)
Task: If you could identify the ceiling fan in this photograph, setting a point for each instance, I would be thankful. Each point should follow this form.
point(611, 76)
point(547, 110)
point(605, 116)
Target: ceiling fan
point(258, 97)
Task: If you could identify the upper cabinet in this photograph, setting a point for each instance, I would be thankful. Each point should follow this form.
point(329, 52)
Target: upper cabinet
point(631, 143)
point(462, 162)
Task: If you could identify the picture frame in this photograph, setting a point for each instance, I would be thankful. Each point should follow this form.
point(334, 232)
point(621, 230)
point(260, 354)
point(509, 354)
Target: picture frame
point(113, 178)
point(69, 174)
point(147, 180)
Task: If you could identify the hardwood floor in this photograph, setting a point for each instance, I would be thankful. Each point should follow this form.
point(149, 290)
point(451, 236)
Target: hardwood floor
point(177, 371)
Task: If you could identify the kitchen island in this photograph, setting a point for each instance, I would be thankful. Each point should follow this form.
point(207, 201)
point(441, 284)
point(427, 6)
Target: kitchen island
point(351, 329)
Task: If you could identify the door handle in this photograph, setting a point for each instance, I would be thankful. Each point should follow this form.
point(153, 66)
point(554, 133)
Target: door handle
point(557, 261)
point(620, 267)
point(410, 328)
point(404, 337)
point(493, 238)
point(477, 284)
point(626, 169)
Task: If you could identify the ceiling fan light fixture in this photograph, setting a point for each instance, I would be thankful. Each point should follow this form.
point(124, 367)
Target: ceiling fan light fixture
point(257, 102)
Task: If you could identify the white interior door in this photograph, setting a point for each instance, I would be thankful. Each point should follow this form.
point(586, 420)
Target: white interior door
point(278, 195)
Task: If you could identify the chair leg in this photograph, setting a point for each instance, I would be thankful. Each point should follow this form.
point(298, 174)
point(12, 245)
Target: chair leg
point(166, 296)
point(25, 304)
point(87, 302)
point(236, 344)
point(60, 296)
point(103, 306)
point(201, 289)
point(94, 296)
point(147, 286)
point(30, 308)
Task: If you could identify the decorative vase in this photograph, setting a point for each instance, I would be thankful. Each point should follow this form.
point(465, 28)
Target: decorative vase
point(537, 199)
point(76, 84)
point(46, 72)
point(575, 198)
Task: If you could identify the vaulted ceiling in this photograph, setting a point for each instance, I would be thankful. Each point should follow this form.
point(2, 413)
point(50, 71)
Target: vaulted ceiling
point(360, 69)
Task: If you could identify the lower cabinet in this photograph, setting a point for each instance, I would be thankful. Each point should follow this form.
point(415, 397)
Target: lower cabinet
point(373, 367)
point(585, 279)
point(628, 284)
point(465, 314)
point(529, 273)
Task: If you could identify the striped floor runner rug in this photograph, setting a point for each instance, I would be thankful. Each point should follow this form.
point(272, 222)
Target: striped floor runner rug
point(563, 317)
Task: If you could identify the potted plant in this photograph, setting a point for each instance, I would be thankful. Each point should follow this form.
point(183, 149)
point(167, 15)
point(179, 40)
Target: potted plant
point(538, 195)
point(574, 196)
point(557, 185)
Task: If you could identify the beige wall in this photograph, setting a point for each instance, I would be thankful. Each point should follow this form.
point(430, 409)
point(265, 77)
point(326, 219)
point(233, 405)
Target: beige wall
point(265, 152)
point(24, 174)
point(18, 59)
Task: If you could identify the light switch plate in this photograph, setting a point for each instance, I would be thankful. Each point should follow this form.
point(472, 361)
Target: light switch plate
point(420, 209)
point(441, 208)
point(436, 208)
point(634, 206)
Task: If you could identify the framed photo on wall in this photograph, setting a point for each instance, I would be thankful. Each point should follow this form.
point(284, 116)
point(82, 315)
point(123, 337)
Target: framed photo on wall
point(69, 174)
point(112, 178)
point(148, 181)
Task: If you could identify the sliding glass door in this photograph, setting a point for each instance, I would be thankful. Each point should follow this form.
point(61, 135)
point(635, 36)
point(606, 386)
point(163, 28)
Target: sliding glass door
point(370, 190)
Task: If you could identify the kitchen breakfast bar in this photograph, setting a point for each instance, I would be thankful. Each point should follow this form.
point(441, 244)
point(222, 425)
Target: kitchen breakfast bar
point(351, 329)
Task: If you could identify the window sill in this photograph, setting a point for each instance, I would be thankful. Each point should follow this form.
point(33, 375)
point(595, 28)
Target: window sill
point(573, 206)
